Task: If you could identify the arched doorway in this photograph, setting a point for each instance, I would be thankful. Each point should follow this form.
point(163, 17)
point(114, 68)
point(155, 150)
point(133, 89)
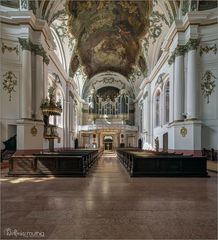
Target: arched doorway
point(76, 143)
point(108, 143)
point(140, 143)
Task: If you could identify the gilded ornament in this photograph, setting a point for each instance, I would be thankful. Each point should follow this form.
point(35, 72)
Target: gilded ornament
point(9, 83)
point(50, 106)
point(34, 131)
point(183, 131)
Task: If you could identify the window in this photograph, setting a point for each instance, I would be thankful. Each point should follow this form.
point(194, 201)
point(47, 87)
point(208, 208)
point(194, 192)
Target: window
point(167, 102)
point(157, 109)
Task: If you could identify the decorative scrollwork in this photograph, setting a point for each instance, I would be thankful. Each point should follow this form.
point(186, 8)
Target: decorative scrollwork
point(9, 83)
point(180, 50)
point(208, 84)
point(208, 49)
point(10, 49)
point(26, 44)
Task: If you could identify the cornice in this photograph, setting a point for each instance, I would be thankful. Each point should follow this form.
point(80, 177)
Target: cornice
point(28, 18)
point(199, 18)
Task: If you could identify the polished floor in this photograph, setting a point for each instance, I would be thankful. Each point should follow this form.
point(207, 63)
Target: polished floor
point(108, 204)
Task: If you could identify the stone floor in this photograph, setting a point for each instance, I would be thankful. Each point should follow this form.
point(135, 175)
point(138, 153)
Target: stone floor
point(108, 204)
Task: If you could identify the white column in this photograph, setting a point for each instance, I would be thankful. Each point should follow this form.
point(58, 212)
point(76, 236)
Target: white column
point(39, 85)
point(171, 104)
point(67, 118)
point(146, 115)
point(192, 85)
point(26, 86)
point(143, 116)
point(149, 117)
point(45, 80)
point(179, 88)
point(162, 107)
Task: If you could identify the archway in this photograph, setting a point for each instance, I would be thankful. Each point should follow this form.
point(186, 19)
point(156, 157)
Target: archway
point(140, 143)
point(76, 143)
point(108, 143)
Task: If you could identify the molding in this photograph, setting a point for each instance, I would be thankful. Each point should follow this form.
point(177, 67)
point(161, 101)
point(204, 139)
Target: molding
point(28, 18)
point(197, 18)
point(185, 123)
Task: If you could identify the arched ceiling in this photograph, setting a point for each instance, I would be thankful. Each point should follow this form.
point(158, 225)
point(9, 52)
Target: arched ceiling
point(122, 37)
point(107, 79)
point(108, 33)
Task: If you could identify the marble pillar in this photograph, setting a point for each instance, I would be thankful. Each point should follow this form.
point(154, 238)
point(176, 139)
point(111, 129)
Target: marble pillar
point(39, 86)
point(192, 85)
point(26, 86)
point(179, 88)
point(171, 104)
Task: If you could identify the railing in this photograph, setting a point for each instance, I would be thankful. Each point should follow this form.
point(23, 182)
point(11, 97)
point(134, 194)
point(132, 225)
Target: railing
point(107, 126)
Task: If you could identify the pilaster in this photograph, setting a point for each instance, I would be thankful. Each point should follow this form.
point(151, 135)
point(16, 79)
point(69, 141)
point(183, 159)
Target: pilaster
point(192, 80)
point(26, 86)
point(179, 83)
point(39, 86)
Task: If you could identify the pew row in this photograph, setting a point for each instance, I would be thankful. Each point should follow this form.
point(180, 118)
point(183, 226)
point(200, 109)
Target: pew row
point(147, 163)
point(62, 163)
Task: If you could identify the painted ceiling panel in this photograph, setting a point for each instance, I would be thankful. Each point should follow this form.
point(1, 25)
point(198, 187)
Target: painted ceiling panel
point(108, 33)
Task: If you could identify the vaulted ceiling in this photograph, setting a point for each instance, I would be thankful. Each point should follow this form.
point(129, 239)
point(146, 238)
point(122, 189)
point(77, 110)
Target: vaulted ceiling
point(108, 33)
point(111, 39)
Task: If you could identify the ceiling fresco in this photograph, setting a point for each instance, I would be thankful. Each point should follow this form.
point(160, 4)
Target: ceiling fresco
point(108, 33)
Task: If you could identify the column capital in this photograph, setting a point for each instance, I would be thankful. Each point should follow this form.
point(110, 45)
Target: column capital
point(192, 44)
point(179, 51)
point(26, 44)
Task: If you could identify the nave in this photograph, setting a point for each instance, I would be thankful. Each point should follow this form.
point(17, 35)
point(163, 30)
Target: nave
point(108, 204)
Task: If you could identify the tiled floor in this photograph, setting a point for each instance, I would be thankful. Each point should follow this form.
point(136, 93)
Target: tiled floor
point(109, 205)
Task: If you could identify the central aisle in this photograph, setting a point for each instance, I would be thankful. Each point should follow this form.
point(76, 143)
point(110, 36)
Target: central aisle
point(108, 204)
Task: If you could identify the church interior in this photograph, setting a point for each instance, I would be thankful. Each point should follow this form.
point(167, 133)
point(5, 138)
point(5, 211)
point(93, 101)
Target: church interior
point(109, 119)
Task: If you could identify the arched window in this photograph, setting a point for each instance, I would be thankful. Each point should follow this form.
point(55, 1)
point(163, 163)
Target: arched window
point(157, 109)
point(167, 102)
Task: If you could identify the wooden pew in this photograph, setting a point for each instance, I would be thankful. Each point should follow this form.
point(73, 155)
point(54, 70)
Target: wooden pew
point(147, 163)
point(61, 163)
